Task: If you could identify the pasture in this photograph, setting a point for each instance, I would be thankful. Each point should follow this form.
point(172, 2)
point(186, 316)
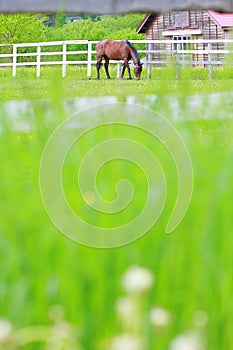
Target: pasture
point(57, 294)
point(77, 84)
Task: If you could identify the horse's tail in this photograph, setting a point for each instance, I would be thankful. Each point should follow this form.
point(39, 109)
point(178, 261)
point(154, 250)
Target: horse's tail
point(133, 52)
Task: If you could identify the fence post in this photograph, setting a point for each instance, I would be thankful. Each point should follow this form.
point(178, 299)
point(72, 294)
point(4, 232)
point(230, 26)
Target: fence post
point(38, 61)
point(210, 66)
point(118, 69)
point(177, 65)
point(89, 59)
point(149, 59)
point(14, 60)
point(63, 60)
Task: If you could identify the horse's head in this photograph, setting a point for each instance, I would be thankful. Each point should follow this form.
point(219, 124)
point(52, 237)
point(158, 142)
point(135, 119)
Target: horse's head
point(138, 70)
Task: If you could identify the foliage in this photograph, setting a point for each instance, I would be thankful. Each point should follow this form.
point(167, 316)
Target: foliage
point(93, 18)
point(112, 27)
point(18, 28)
point(57, 20)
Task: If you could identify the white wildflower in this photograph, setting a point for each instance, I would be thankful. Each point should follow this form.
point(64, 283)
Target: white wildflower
point(128, 313)
point(200, 318)
point(56, 313)
point(137, 280)
point(126, 342)
point(187, 342)
point(126, 307)
point(159, 317)
point(5, 330)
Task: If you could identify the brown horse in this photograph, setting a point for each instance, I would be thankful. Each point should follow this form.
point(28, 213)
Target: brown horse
point(118, 50)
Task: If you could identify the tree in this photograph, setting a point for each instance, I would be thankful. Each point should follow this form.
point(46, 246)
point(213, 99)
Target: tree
point(17, 28)
point(57, 20)
point(107, 27)
point(93, 18)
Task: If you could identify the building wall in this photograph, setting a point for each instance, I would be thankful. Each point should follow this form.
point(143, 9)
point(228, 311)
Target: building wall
point(185, 21)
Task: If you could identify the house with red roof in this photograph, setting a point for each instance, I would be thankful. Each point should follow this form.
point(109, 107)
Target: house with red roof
point(180, 26)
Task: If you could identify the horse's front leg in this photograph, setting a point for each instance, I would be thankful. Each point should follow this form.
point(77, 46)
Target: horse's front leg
point(106, 67)
point(128, 68)
point(126, 64)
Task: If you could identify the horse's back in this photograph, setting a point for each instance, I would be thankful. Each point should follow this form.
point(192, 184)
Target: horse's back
point(101, 45)
point(113, 49)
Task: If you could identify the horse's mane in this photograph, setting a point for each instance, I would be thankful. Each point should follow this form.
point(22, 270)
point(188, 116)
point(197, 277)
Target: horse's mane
point(134, 52)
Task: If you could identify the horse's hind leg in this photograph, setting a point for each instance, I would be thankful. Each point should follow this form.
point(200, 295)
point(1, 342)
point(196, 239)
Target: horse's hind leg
point(106, 67)
point(98, 65)
point(123, 71)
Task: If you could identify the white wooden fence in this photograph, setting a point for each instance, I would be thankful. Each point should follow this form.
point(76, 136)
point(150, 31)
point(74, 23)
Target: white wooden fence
point(182, 53)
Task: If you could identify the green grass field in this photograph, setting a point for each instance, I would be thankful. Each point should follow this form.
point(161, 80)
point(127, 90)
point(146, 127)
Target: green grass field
point(76, 83)
point(57, 294)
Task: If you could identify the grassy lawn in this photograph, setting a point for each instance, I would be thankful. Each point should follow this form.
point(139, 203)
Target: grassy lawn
point(57, 294)
point(76, 83)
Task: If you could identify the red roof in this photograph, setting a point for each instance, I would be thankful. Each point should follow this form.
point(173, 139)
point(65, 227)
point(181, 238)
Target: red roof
point(223, 19)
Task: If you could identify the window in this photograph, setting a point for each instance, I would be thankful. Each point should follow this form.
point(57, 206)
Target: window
point(181, 44)
point(181, 19)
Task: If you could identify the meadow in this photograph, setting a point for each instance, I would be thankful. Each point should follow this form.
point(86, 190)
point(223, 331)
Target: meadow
point(162, 291)
point(76, 84)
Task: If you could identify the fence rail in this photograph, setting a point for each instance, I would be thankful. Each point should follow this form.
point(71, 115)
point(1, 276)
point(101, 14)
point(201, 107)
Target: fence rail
point(207, 53)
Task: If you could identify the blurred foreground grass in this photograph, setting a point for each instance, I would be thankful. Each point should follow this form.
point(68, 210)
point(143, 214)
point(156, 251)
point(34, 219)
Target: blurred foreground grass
point(192, 267)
